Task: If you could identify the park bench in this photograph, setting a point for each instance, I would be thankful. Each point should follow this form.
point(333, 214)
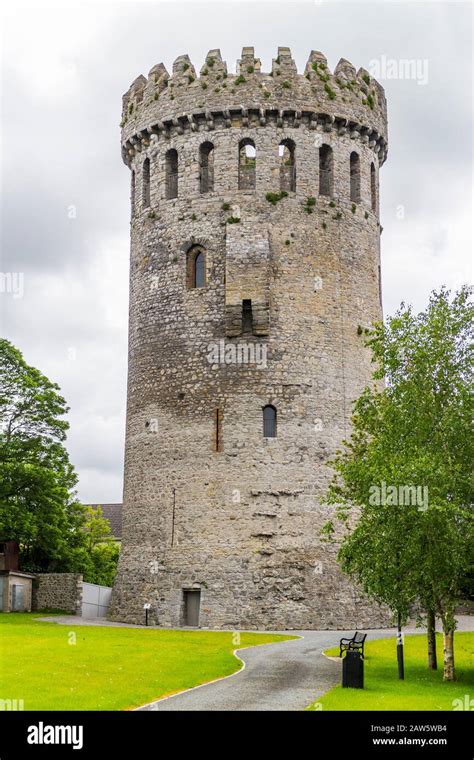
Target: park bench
point(355, 644)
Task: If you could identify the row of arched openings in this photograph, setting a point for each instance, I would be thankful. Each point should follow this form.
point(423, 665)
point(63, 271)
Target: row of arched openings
point(247, 179)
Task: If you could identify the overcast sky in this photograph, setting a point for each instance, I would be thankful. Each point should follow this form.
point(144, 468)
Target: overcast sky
point(65, 191)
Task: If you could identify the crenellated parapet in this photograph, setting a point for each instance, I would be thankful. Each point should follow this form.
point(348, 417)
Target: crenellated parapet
point(163, 105)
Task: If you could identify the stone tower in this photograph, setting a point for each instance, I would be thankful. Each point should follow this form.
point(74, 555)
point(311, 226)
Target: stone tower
point(254, 265)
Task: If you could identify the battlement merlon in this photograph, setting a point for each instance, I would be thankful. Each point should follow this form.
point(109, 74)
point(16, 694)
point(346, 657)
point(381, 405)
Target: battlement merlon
point(347, 100)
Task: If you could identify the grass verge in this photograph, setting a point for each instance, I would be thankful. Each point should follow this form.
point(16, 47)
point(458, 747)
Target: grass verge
point(58, 667)
point(422, 689)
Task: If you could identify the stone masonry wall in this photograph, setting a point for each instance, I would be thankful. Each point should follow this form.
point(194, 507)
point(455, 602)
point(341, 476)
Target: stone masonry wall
point(226, 510)
point(58, 591)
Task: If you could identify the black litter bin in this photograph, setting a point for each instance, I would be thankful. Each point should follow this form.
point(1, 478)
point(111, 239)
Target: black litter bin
point(353, 670)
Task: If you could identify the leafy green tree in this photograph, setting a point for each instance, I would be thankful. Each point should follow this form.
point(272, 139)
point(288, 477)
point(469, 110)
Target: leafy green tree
point(104, 559)
point(412, 439)
point(96, 528)
point(37, 481)
point(102, 551)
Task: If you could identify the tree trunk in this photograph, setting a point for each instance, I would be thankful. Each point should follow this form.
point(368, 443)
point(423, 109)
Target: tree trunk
point(448, 672)
point(401, 664)
point(431, 635)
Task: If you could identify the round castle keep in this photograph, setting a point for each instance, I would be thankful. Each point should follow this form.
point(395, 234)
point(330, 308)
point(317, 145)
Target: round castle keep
point(254, 270)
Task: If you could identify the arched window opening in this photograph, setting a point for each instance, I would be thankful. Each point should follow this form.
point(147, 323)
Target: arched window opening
point(132, 192)
point(269, 421)
point(373, 188)
point(286, 152)
point(326, 170)
point(146, 183)
point(171, 171)
point(196, 267)
point(247, 165)
point(206, 167)
point(355, 177)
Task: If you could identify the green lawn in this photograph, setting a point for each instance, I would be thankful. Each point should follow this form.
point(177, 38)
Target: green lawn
point(422, 689)
point(58, 667)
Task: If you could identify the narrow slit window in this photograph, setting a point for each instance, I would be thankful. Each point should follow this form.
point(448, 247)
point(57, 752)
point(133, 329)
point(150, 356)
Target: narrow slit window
point(269, 421)
point(171, 172)
point(199, 270)
point(206, 168)
point(146, 183)
point(247, 165)
point(355, 177)
point(325, 170)
point(196, 267)
point(217, 430)
point(247, 317)
point(286, 153)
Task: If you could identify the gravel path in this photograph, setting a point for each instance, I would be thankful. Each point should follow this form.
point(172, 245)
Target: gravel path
point(285, 676)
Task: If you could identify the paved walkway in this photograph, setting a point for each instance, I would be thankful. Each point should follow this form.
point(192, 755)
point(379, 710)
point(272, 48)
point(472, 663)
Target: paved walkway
point(285, 676)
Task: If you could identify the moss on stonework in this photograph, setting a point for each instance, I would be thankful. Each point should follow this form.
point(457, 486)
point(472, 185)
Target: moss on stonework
point(330, 92)
point(309, 204)
point(273, 198)
point(316, 66)
point(369, 101)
